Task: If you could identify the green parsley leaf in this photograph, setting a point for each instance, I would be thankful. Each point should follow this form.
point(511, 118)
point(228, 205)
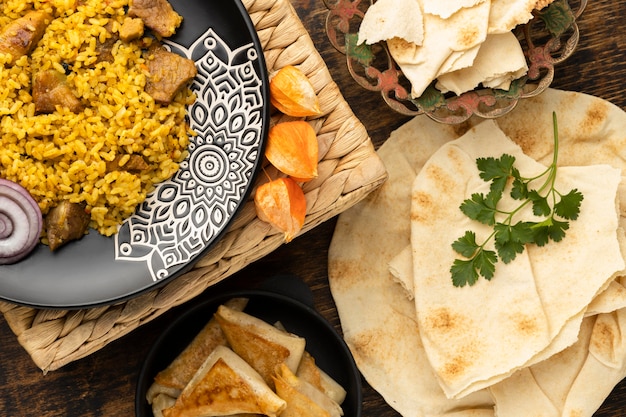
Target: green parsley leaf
point(466, 245)
point(466, 271)
point(491, 168)
point(481, 208)
point(569, 205)
point(485, 263)
point(549, 229)
point(519, 191)
point(510, 238)
point(541, 207)
point(463, 272)
point(496, 170)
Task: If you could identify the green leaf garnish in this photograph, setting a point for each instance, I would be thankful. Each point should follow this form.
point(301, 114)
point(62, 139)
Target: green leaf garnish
point(510, 239)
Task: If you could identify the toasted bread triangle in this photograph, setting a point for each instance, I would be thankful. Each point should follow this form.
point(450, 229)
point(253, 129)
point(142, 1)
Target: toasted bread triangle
point(303, 399)
point(180, 371)
point(309, 371)
point(259, 343)
point(225, 385)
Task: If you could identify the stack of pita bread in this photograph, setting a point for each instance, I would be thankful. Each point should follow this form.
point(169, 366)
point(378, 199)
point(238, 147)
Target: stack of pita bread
point(239, 365)
point(546, 335)
point(460, 43)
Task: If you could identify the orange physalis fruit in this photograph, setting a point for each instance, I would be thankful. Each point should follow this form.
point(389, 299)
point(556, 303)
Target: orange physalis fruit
point(292, 148)
point(292, 93)
point(282, 204)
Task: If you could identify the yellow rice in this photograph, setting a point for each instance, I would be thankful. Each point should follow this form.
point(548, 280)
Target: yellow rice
point(63, 155)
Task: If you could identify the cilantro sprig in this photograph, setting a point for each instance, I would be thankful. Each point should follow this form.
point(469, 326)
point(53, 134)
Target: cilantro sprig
point(510, 236)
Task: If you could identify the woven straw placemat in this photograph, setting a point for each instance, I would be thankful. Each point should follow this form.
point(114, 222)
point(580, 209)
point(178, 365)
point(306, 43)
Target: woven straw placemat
point(348, 171)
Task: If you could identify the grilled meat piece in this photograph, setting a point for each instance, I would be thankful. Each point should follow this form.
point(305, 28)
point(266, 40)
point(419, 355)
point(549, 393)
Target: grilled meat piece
point(50, 89)
point(20, 37)
point(131, 29)
point(158, 15)
point(134, 164)
point(66, 222)
point(105, 49)
point(169, 72)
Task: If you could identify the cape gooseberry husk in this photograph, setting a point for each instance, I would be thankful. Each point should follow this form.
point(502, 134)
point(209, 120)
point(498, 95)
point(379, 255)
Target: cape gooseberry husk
point(292, 93)
point(281, 203)
point(293, 149)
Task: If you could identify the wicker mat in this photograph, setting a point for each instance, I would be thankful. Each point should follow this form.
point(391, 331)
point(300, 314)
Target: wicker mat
point(348, 171)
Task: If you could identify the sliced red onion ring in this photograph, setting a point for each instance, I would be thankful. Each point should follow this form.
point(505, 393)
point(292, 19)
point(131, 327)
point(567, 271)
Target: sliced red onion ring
point(20, 222)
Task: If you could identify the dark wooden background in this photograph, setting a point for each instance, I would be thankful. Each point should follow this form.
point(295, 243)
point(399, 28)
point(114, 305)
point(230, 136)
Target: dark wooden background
point(103, 384)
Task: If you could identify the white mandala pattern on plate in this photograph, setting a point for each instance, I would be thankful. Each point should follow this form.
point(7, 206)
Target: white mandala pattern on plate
point(186, 213)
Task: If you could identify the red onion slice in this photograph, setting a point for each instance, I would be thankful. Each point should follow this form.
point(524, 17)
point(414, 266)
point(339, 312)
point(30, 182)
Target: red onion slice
point(20, 222)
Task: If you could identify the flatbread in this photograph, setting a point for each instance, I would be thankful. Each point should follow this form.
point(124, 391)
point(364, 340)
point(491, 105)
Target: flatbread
point(431, 39)
point(463, 31)
point(575, 382)
point(524, 303)
point(379, 321)
point(490, 67)
point(506, 14)
point(388, 19)
point(445, 9)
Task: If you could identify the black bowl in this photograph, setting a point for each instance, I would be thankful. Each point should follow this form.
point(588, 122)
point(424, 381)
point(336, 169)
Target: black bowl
point(322, 342)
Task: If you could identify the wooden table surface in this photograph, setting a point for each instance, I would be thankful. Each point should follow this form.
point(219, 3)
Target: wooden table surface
point(103, 384)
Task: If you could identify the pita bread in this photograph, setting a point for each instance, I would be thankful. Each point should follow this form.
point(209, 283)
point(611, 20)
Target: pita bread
point(421, 64)
point(379, 321)
point(259, 343)
point(225, 385)
point(442, 40)
point(388, 19)
point(488, 68)
point(575, 382)
point(523, 303)
point(459, 60)
point(506, 14)
point(445, 9)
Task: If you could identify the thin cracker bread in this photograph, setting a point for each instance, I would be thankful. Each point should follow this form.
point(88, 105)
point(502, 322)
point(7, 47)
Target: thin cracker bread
point(388, 19)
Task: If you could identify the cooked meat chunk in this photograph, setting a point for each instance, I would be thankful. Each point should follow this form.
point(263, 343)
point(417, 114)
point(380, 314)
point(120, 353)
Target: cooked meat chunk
point(169, 72)
point(131, 163)
point(131, 29)
point(20, 37)
point(50, 89)
point(105, 49)
point(66, 222)
point(158, 15)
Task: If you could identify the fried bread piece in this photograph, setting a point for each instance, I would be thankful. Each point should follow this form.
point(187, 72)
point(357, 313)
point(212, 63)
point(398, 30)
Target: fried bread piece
point(225, 385)
point(259, 343)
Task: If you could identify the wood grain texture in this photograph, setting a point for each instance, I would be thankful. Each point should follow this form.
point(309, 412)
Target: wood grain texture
point(103, 384)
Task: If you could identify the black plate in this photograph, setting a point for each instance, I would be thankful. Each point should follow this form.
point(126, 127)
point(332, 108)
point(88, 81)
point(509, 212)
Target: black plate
point(327, 347)
point(180, 221)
